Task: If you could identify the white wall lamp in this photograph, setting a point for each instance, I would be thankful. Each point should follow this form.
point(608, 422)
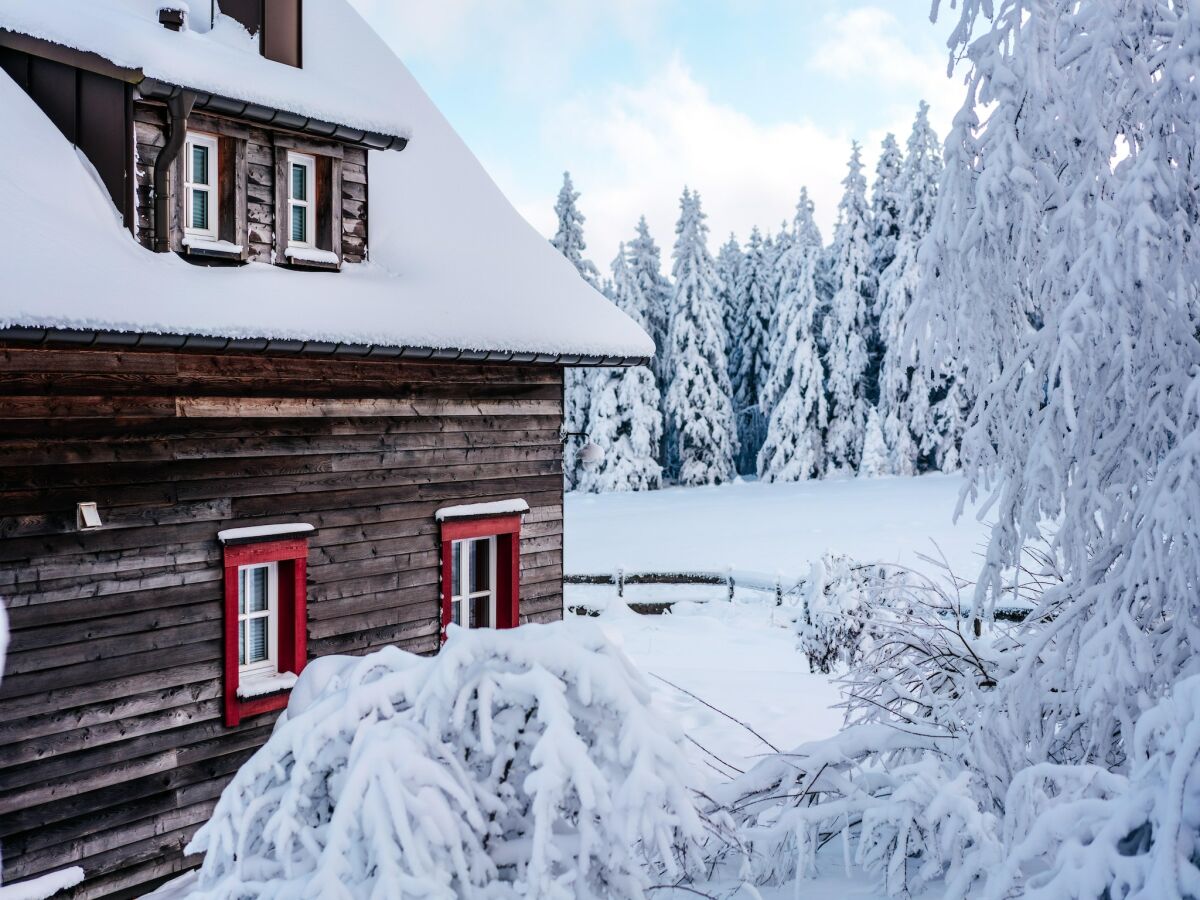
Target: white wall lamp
point(590, 453)
point(87, 517)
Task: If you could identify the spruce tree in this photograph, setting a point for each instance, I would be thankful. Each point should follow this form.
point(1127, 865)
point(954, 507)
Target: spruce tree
point(699, 406)
point(904, 392)
point(568, 240)
point(645, 261)
point(625, 415)
point(794, 445)
point(847, 326)
point(731, 264)
point(797, 270)
point(748, 343)
point(875, 456)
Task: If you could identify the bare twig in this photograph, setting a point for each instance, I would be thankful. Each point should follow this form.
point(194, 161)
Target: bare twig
point(716, 710)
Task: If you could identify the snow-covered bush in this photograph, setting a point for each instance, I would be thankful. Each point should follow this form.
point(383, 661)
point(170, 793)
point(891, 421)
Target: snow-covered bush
point(525, 763)
point(838, 605)
point(892, 785)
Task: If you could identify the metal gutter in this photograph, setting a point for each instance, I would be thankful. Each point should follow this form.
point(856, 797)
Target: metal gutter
point(125, 340)
point(153, 89)
point(179, 107)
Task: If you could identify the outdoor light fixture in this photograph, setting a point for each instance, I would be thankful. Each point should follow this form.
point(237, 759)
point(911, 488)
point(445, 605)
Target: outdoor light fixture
point(590, 453)
point(87, 516)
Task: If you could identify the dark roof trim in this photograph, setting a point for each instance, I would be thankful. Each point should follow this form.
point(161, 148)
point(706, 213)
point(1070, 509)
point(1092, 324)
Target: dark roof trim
point(80, 59)
point(130, 340)
point(153, 89)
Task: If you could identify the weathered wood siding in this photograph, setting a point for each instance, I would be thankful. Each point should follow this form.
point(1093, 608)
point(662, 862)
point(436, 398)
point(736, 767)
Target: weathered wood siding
point(112, 745)
point(150, 135)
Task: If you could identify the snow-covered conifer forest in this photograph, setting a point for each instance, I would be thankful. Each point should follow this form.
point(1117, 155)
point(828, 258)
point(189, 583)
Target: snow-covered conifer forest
point(785, 353)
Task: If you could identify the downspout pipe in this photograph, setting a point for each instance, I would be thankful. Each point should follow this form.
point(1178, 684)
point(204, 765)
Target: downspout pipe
point(179, 107)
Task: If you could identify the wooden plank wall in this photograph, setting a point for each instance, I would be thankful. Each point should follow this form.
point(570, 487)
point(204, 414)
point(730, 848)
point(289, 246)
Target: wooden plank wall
point(150, 127)
point(112, 746)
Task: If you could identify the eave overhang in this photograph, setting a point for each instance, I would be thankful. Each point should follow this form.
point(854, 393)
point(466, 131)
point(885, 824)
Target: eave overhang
point(153, 89)
point(111, 340)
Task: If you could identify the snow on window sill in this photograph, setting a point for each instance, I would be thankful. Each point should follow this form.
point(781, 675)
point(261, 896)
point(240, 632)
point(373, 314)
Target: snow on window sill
point(203, 245)
point(259, 685)
point(478, 510)
point(262, 532)
point(311, 255)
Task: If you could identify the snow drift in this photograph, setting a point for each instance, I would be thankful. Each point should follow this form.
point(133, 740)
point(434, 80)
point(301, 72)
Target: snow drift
point(515, 763)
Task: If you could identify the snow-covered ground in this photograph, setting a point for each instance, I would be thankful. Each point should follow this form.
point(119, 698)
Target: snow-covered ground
point(772, 528)
point(741, 657)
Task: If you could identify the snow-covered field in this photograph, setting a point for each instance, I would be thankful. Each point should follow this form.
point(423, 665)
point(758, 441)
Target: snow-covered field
point(742, 657)
point(772, 528)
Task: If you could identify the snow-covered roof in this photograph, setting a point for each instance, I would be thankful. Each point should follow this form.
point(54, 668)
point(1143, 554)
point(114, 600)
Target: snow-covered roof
point(453, 265)
point(223, 59)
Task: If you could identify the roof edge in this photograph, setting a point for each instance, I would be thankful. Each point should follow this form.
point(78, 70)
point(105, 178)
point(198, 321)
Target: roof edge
point(128, 340)
point(154, 89)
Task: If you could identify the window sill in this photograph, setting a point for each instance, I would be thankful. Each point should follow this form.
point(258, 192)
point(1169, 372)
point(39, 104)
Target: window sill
point(262, 685)
point(194, 246)
point(312, 258)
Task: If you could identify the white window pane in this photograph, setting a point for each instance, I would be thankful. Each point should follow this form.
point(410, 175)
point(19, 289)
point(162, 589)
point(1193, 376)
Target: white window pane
point(299, 182)
point(456, 612)
point(299, 224)
point(199, 164)
point(243, 590)
point(481, 611)
point(257, 590)
point(257, 649)
point(241, 643)
point(455, 567)
point(481, 566)
point(199, 208)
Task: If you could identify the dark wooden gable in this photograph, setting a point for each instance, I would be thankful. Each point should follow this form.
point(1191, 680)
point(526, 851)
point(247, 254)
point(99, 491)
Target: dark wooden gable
point(92, 111)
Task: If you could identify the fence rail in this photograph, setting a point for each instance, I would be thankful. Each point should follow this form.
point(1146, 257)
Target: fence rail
point(778, 585)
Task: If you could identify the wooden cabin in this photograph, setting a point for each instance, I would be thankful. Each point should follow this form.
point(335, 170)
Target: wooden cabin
point(280, 377)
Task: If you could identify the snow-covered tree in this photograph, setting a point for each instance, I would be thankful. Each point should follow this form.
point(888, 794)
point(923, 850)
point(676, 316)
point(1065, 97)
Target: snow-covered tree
point(796, 272)
point(731, 264)
point(568, 240)
point(625, 414)
point(699, 405)
point(904, 392)
point(528, 762)
point(876, 459)
point(795, 390)
point(847, 327)
point(748, 363)
point(1062, 759)
point(645, 261)
point(887, 203)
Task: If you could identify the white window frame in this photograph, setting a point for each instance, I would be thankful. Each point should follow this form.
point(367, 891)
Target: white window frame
point(309, 205)
point(213, 188)
point(462, 595)
point(270, 666)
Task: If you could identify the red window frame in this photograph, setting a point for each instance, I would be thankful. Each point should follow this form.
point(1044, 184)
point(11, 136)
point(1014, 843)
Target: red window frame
point(506, 530)
point(292, 556)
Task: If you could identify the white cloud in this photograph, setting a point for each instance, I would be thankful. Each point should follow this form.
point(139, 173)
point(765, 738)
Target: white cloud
point(528, 42)
point(864, 47)
point(632, 150)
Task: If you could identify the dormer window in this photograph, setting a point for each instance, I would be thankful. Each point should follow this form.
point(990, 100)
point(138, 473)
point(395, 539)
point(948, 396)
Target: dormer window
point(308, 178)
point(302, 200)
point(210, 210)
point(202, 203)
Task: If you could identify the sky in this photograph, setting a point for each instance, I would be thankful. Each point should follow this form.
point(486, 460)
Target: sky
point(742, 100)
